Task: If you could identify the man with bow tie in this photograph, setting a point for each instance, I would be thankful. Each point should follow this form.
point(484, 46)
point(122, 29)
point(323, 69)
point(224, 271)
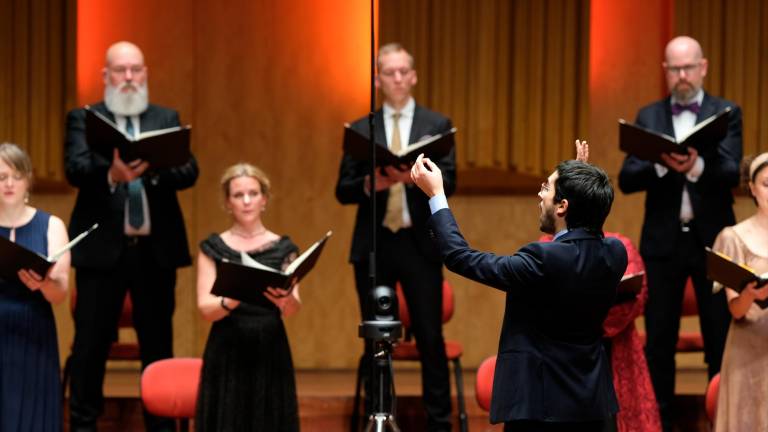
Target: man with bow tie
point(139, 244)
point(688, 201)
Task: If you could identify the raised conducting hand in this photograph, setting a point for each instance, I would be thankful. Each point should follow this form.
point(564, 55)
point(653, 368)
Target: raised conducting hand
point(120, 172)
point(680, 163)
point(582, 151)
point(427, 176)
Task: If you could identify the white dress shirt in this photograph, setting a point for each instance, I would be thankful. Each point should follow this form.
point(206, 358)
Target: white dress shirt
point(405, 123)
point(683, 125)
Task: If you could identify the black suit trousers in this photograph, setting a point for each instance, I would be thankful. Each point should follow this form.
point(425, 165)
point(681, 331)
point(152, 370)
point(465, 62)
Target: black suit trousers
point(100, 296)
point(666, 284)
point(400, 259)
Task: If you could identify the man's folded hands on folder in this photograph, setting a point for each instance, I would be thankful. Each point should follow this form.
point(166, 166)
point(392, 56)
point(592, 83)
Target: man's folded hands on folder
point(121, 172)
point(387, 176)
point(679, 162)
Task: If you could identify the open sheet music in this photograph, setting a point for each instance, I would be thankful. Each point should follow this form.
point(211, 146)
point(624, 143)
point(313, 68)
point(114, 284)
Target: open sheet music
point(649, 145)
point(724, 269)
point(162, 148)
point(247, 281)
point(358, 146)
point(14, 257)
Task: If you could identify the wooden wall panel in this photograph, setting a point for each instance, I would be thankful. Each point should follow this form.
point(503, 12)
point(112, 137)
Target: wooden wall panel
point(32, 100)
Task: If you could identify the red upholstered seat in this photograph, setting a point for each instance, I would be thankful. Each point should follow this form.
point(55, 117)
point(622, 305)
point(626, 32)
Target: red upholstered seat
point(484, 383)
point(169, 388)
point(710, 401)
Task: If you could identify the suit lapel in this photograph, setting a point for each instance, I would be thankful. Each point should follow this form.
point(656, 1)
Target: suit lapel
point(379, 133)
point(415, 126)
point(707, 110)
point(666, 122)
point(101, 108)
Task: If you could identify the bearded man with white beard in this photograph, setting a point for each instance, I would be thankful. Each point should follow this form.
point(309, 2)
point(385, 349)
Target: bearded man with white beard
point(140, 242)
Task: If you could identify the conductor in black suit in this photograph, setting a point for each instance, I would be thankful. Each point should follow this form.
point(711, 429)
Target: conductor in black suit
point(139, 244)
point(552, 372)
point(688, 201)
point(404, 251)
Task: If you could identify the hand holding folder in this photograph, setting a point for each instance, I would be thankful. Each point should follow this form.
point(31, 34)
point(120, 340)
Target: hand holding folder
point(14, 257)
point(723, 269)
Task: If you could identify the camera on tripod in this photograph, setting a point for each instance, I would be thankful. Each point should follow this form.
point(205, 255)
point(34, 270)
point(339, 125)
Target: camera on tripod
point(384, 326)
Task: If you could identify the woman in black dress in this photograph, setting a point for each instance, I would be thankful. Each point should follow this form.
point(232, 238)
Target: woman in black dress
point(247, 381)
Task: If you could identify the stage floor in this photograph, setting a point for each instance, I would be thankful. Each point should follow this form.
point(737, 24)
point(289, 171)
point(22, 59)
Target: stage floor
point(326, 398)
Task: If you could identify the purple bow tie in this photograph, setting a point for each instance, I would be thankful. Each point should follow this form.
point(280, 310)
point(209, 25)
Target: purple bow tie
point(678, 108)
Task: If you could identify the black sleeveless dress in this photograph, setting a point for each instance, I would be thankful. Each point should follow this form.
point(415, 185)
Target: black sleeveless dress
point(30, 388)
point(247, 382)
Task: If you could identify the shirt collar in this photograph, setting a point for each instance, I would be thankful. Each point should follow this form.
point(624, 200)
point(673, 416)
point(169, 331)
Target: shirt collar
point(407, 110)
point(560, 234)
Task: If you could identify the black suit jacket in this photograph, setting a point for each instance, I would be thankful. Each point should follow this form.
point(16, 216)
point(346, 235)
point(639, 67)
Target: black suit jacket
point(87, 171)
point(711, 195)
point(551, 364)
point(350, 190)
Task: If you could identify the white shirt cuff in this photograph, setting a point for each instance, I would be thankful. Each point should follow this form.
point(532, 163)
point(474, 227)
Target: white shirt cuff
point(661, 170)
point(695, 173)
point(437, 203)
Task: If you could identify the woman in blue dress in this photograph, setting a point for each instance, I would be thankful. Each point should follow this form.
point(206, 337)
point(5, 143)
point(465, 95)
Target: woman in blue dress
point(30, 389)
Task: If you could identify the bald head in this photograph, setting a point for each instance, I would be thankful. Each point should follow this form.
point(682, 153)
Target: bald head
point(124, 49)
point(683, 45)
point(686, 68)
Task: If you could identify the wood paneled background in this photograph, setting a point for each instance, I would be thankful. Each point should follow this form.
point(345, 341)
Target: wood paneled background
point(273, 82)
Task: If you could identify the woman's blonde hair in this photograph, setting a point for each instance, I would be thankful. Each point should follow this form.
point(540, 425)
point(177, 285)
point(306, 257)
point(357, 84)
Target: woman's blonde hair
point(243, 169)
point(16, 158)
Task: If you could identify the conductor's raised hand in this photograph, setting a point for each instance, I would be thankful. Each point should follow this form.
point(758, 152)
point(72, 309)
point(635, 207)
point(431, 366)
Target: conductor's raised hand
point(582, 151)
point(121, 172)
point(427, 176)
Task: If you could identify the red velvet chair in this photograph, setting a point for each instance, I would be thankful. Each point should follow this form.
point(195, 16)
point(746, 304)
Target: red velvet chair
point(169, 388)
point(484, 383)
point(120, 350)
point(710, 399)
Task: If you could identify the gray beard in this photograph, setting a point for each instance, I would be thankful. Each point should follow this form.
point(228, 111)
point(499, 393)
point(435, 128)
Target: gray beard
point(126, 103)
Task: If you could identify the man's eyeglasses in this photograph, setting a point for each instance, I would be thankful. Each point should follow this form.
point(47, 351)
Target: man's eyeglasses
point(121, 70)
point(391, 72)
point(675, 70)
point(544, 188)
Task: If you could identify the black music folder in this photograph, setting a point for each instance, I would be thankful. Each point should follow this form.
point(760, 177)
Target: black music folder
point(247, 281)
point(358, 146)
point(629, 287)
point(162, 148)
point(14, 257)
point(723, 269)
point(649, 145)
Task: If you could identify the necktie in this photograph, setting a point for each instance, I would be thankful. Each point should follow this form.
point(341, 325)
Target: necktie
point(135, 188)
point(393, 219)
point(692, 107)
